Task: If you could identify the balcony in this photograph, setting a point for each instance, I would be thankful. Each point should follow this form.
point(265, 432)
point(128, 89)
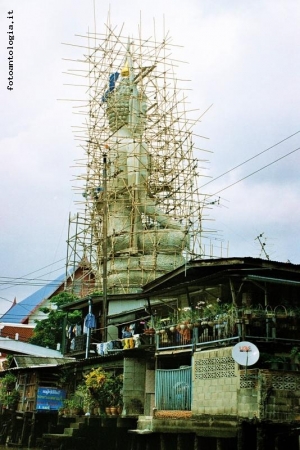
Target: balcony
point(266, 325)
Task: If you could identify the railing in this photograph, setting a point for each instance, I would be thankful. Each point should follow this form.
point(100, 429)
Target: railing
point(189, 338)
point(264, 328)
point(173, 389)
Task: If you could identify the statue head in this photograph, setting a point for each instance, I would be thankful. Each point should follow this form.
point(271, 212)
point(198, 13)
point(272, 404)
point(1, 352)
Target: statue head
point(126, 106)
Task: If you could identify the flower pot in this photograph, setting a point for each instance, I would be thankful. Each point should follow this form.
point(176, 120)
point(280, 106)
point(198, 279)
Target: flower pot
point(107, 411)
point(113, 410)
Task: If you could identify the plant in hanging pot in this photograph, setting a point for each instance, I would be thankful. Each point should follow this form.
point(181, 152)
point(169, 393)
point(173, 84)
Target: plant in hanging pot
point(186, 318)
point(280, 312)
point(269, 312)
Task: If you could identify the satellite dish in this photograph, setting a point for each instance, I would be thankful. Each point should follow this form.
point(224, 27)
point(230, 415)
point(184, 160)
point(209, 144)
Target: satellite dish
point(245, 353)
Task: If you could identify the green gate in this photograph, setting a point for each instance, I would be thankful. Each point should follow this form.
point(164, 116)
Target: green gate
point(173, 389)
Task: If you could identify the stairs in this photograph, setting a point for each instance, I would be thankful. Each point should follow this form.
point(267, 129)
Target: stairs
point(72, 438)
point(86, 432)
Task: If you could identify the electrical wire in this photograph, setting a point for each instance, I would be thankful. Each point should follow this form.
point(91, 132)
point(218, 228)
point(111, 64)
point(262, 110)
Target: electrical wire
point(29, 281)
point(250, 159)
point(256, 171)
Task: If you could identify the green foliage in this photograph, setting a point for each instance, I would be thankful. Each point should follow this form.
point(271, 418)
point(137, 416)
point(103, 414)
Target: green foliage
point(295, 353)
point(6, 363)
point(73, 404)
point(9, 395)
point(104, 388)
point(87, 401)
point(49, 332)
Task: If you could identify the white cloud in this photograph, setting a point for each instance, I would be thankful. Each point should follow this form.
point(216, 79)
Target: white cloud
point(242, 56)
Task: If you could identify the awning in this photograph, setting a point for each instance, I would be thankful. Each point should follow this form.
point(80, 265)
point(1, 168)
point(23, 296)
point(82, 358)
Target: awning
point(272, 280)
point(127, 317)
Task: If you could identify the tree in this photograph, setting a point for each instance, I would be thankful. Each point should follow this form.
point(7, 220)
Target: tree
point(48, 332)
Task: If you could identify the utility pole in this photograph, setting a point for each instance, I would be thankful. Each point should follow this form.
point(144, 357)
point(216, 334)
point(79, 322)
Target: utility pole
point(104, 248)
point(88, 336)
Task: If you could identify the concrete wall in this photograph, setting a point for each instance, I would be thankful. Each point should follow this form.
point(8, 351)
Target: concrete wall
point(149, 390)
point(134, 386)
point(220, 388)
point(215, 382)
point(279, 395)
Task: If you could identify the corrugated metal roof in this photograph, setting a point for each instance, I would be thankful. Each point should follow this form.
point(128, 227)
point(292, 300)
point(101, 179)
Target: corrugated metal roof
point(272, 280)
point(20, 311)
point(37, 361)
point(18, 347)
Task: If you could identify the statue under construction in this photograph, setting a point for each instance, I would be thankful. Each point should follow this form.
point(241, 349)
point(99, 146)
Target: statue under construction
point(141, 215)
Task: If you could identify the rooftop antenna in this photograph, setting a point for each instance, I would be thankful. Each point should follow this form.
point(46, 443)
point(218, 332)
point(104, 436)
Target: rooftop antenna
point(262, 244)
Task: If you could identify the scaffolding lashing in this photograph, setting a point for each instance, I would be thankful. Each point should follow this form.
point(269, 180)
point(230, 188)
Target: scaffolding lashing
point(145, 203)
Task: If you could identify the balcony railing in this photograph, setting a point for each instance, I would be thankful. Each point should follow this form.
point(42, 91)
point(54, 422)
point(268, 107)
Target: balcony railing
point(266, 327)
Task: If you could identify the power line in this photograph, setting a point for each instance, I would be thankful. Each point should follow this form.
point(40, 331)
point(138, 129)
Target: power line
point(42, 268)
point(6, 280)
point(250, 159)
point(256, 171)
point(28, 280)
point(38, 270)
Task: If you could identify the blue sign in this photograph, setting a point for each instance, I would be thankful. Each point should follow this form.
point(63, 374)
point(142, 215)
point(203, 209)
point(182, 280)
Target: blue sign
point(49, 399)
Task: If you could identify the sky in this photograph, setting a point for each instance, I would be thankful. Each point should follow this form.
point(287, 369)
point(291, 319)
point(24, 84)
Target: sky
point(242, 58)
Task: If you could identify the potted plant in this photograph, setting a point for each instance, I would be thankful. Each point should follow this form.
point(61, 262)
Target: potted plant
point(104, 388)
point(89, 404)
point(295, 357)
point(276, 361)
point(74, 406)
point(113, 389)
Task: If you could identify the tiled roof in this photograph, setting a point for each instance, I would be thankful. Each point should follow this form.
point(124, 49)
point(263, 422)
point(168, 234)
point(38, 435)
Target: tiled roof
point(19, 312)
point(11, 330)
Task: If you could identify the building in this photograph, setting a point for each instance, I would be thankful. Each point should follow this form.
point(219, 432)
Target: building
point(185, 379)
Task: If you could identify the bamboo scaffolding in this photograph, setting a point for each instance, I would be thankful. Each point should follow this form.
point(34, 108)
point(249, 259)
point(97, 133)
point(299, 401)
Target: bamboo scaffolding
point(153, 209)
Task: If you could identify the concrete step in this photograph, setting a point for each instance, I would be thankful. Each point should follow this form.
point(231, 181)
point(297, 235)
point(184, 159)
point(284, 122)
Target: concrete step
point(55, 437)
point(73, 432)
point(78, 425)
